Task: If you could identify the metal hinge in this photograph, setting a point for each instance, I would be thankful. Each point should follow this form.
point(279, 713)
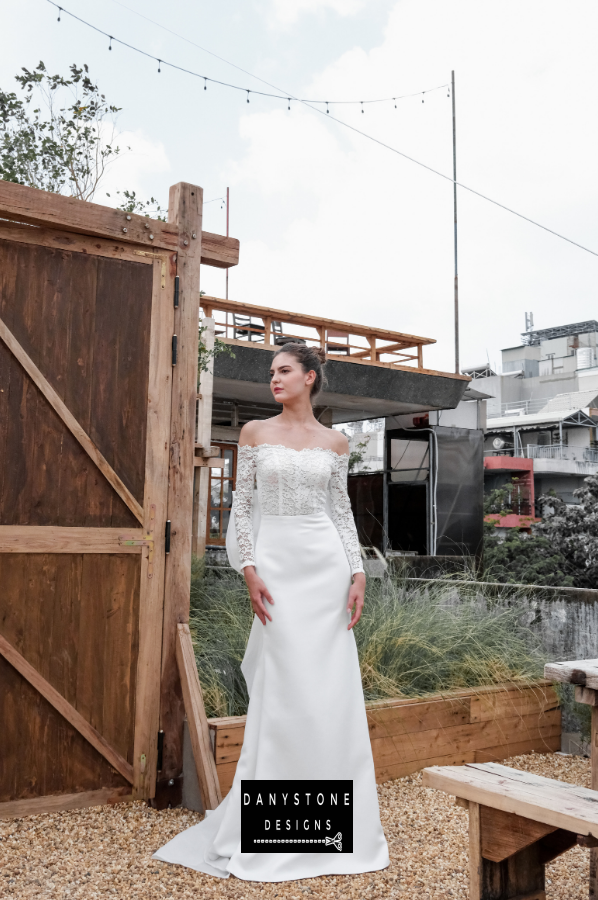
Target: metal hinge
point(167, 537)
point(174, 349)
point(176, 291)
point(146, 540)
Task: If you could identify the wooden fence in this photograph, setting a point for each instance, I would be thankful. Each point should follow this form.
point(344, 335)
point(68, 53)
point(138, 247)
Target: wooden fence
point(459, 727)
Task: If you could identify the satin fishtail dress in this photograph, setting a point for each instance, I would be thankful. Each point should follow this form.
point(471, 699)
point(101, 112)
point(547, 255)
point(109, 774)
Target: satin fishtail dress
point(306, 717)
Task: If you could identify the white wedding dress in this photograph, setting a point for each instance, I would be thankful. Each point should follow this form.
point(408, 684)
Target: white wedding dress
point(306, 717)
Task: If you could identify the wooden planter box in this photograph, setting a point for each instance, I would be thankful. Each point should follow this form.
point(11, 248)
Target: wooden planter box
point(479, 725)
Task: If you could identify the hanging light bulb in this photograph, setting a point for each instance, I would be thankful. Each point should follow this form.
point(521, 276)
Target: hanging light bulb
point(248, 96)
point(423, 95)
point(159, 69)
point(361, 101)
point(289, 101)
point(59, 13)
point(205, 83)
point(327, 110)
point(395, 100)
point(110, 44)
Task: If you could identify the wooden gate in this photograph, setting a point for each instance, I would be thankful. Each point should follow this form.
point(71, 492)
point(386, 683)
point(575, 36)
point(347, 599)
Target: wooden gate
point(98, 368)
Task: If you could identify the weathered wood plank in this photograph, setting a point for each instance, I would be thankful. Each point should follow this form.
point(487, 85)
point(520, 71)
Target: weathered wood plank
point(65, 709)
point(577, 671)
point(418, 717)
point(185, 212)
point(121, 368)
point(540, 799)
point(522, 702)
point(475, 853)
point(68, 240)
point(60, 802)
point(542, 743)
point(58, 539)
point(504, 834)
point(69, 420)
point(151, 608)
point(24, 204)
point(464, 738)
point(197, 720)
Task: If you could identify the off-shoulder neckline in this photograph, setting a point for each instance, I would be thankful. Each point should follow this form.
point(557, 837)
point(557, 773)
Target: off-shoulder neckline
point(303, 449)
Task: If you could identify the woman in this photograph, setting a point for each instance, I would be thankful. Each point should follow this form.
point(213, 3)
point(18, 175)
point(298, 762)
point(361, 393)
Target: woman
point(306, 717)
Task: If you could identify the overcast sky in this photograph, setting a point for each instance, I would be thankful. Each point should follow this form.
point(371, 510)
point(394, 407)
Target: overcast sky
point(329, 222)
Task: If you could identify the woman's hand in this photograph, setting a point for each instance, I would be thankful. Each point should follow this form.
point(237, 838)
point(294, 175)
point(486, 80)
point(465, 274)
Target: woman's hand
point(258, 592)
point(356, 595)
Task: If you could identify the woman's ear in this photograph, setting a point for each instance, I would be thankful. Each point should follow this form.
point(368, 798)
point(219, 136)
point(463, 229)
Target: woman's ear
point(310, 377)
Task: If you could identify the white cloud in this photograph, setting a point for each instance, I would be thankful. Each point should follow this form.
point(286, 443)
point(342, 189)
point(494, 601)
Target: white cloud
point(139, 161)
point(350, 230)
point(288, 11)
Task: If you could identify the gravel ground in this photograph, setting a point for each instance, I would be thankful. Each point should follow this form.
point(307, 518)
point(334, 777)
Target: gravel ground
point(106, 851)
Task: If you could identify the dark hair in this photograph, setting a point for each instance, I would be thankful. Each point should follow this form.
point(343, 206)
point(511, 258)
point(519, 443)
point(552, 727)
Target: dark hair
point(311, 359)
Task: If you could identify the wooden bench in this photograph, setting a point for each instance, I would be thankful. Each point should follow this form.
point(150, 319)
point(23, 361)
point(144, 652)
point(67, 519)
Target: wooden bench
point(517, 823)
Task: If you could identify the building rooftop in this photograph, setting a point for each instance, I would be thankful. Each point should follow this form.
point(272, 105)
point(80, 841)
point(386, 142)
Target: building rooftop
point(547, 334)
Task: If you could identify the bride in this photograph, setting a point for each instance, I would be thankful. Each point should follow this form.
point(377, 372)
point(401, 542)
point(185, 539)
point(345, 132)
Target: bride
point(306, 717)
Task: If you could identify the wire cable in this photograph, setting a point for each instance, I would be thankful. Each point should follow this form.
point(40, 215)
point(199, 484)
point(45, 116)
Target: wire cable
point(309, 104)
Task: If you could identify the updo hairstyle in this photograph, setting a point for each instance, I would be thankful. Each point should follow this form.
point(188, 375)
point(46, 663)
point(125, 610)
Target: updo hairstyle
point(311, 359)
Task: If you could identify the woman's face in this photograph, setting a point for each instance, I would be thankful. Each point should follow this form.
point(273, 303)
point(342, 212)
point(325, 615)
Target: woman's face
point(288, 381)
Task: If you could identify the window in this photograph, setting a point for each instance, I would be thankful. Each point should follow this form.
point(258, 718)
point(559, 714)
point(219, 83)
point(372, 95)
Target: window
point(222, 485)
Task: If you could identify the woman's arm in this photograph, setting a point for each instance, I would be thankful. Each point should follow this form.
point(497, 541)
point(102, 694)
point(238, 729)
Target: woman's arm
point(342, 516)
point(246, 466)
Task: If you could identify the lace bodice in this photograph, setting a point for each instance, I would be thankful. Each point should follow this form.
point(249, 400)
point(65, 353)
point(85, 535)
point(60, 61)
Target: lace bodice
point(293, 483)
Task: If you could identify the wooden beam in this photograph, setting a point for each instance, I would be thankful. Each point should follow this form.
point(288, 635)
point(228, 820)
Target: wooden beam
point(58, 802)
point(197, 720)
point(65, 539)
point(475, 853)
point(155, 491)
point(504, 834)
point(65, 709)
point(69, 420)
point(26, 204)
point(184, 211)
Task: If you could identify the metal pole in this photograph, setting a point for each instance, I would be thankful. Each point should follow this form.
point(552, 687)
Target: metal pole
point(455, 225)
point(227, 199)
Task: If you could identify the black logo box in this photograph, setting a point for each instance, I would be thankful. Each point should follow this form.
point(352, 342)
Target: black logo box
point(296, 816)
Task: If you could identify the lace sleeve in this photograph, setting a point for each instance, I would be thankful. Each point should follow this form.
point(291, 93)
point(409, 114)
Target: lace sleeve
point(342, 514)
point(246, 460)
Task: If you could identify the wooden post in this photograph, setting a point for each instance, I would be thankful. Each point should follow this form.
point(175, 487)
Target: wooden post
point(475, 853)
point(267, 330)
point(185, 213)
point(204, 436)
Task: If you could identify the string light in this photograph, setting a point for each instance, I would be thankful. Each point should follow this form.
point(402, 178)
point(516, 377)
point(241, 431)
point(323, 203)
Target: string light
point(309, 104)
point(327, 110)
point(110, 44)
point(236, 87)
point(289, 101)
point(248, 96)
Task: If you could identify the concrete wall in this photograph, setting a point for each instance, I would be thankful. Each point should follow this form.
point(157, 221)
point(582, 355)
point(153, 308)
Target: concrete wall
point(565, 619)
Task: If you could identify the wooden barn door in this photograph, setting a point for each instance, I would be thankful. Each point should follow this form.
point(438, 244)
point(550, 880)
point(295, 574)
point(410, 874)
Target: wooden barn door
point(86, 335)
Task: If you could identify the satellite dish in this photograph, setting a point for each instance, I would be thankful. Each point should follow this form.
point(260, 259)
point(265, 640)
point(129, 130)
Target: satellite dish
point(498, 443)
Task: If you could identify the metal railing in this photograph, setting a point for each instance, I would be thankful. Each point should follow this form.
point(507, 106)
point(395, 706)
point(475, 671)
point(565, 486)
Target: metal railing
point(243, 323)
point(518, 408)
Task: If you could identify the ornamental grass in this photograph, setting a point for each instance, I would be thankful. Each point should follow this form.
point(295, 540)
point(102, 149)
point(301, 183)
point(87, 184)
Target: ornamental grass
point(413, 640)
